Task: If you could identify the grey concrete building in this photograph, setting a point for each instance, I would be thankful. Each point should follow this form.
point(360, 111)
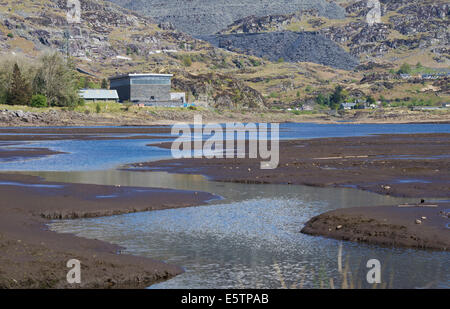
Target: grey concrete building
point(142, 88)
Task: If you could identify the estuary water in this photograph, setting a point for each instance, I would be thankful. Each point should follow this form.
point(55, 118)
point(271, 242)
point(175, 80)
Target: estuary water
point(250, 238)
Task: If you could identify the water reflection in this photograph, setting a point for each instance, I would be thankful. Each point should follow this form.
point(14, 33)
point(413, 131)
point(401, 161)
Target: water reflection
point(237, 241)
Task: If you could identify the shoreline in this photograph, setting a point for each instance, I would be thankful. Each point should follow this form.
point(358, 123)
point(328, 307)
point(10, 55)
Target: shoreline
point(400, 165)
point(219, 120)
point(35, 257)
point(421, 226)
point(31, 202)
point(403, 165)
point(164, 116)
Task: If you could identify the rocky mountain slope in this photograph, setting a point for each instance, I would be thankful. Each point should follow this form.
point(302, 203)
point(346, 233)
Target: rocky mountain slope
point(416, 28)
point(270, 61)
point(111, 40)
point(287, 46)
point(201, 17)
point(104, 33)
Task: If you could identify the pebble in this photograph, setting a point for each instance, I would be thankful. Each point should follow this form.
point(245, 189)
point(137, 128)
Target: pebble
point(418, 221)
point(338, 227)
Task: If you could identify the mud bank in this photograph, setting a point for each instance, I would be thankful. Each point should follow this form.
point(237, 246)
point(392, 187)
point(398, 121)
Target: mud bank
point(403, 165)
point(423, 226)
point(34, 257)
point(413, 165)
point(81, 133)
point(15, 152)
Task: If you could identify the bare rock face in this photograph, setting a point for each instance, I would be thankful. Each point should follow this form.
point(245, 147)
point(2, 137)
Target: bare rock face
point(89, 38)
point(424, 24)
point(254, 24)
point(289, 46)
point(202, 17)
point(220, 91)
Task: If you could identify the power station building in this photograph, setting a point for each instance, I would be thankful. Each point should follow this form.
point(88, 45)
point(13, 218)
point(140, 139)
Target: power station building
point(148, 89)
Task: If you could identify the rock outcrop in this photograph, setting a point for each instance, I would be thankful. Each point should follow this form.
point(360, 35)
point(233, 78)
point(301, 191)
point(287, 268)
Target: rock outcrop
point(95, 38)
point(219, 90)
point(412, 24)
point(201, 17)
point(287, 46)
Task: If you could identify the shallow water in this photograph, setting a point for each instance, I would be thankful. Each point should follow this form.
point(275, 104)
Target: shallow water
point(240, 240)
point(250, 238)
point(107, 154)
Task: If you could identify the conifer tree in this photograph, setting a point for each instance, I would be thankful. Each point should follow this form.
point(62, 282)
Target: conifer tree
point(19, 92)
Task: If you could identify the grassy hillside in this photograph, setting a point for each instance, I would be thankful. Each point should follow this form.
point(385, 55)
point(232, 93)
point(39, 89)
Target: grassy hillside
point(113, 40)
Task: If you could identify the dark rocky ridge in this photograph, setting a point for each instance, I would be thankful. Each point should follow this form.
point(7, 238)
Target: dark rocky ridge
point(201, 17)
point(290, 46)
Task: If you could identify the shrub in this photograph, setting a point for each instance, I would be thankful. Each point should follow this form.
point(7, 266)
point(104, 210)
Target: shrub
point(98, 109)
point(104, 84)
point(39, 100)
point(404, 69)
point(187, 61)
point(371, 100)
point(274, 95)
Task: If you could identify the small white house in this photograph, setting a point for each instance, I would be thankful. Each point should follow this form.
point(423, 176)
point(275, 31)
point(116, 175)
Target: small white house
point(178, 96)
point(348, 106)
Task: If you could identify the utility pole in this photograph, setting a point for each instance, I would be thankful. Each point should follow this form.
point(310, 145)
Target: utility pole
point(67, 42)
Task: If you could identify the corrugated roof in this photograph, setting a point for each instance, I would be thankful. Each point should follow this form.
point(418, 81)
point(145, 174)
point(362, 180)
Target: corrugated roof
point(99, 94)
point(141, 75)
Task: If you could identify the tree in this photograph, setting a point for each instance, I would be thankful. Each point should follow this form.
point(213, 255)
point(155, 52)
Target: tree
point(19, 92)
point(55, 79)
point(104, 84)
point(321, 99)
point(370, 100)
point(337, 97)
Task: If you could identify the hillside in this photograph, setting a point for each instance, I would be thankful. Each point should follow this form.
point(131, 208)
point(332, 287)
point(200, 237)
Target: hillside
point(201, 17)
point(410, 30)
point(111, 40)
point(287, 46)
point(268, 62)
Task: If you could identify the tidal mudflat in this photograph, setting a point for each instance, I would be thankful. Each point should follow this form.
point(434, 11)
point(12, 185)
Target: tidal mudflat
point(249, 237)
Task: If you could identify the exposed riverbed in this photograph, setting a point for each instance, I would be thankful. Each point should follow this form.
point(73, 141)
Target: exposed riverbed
point(251, 237)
